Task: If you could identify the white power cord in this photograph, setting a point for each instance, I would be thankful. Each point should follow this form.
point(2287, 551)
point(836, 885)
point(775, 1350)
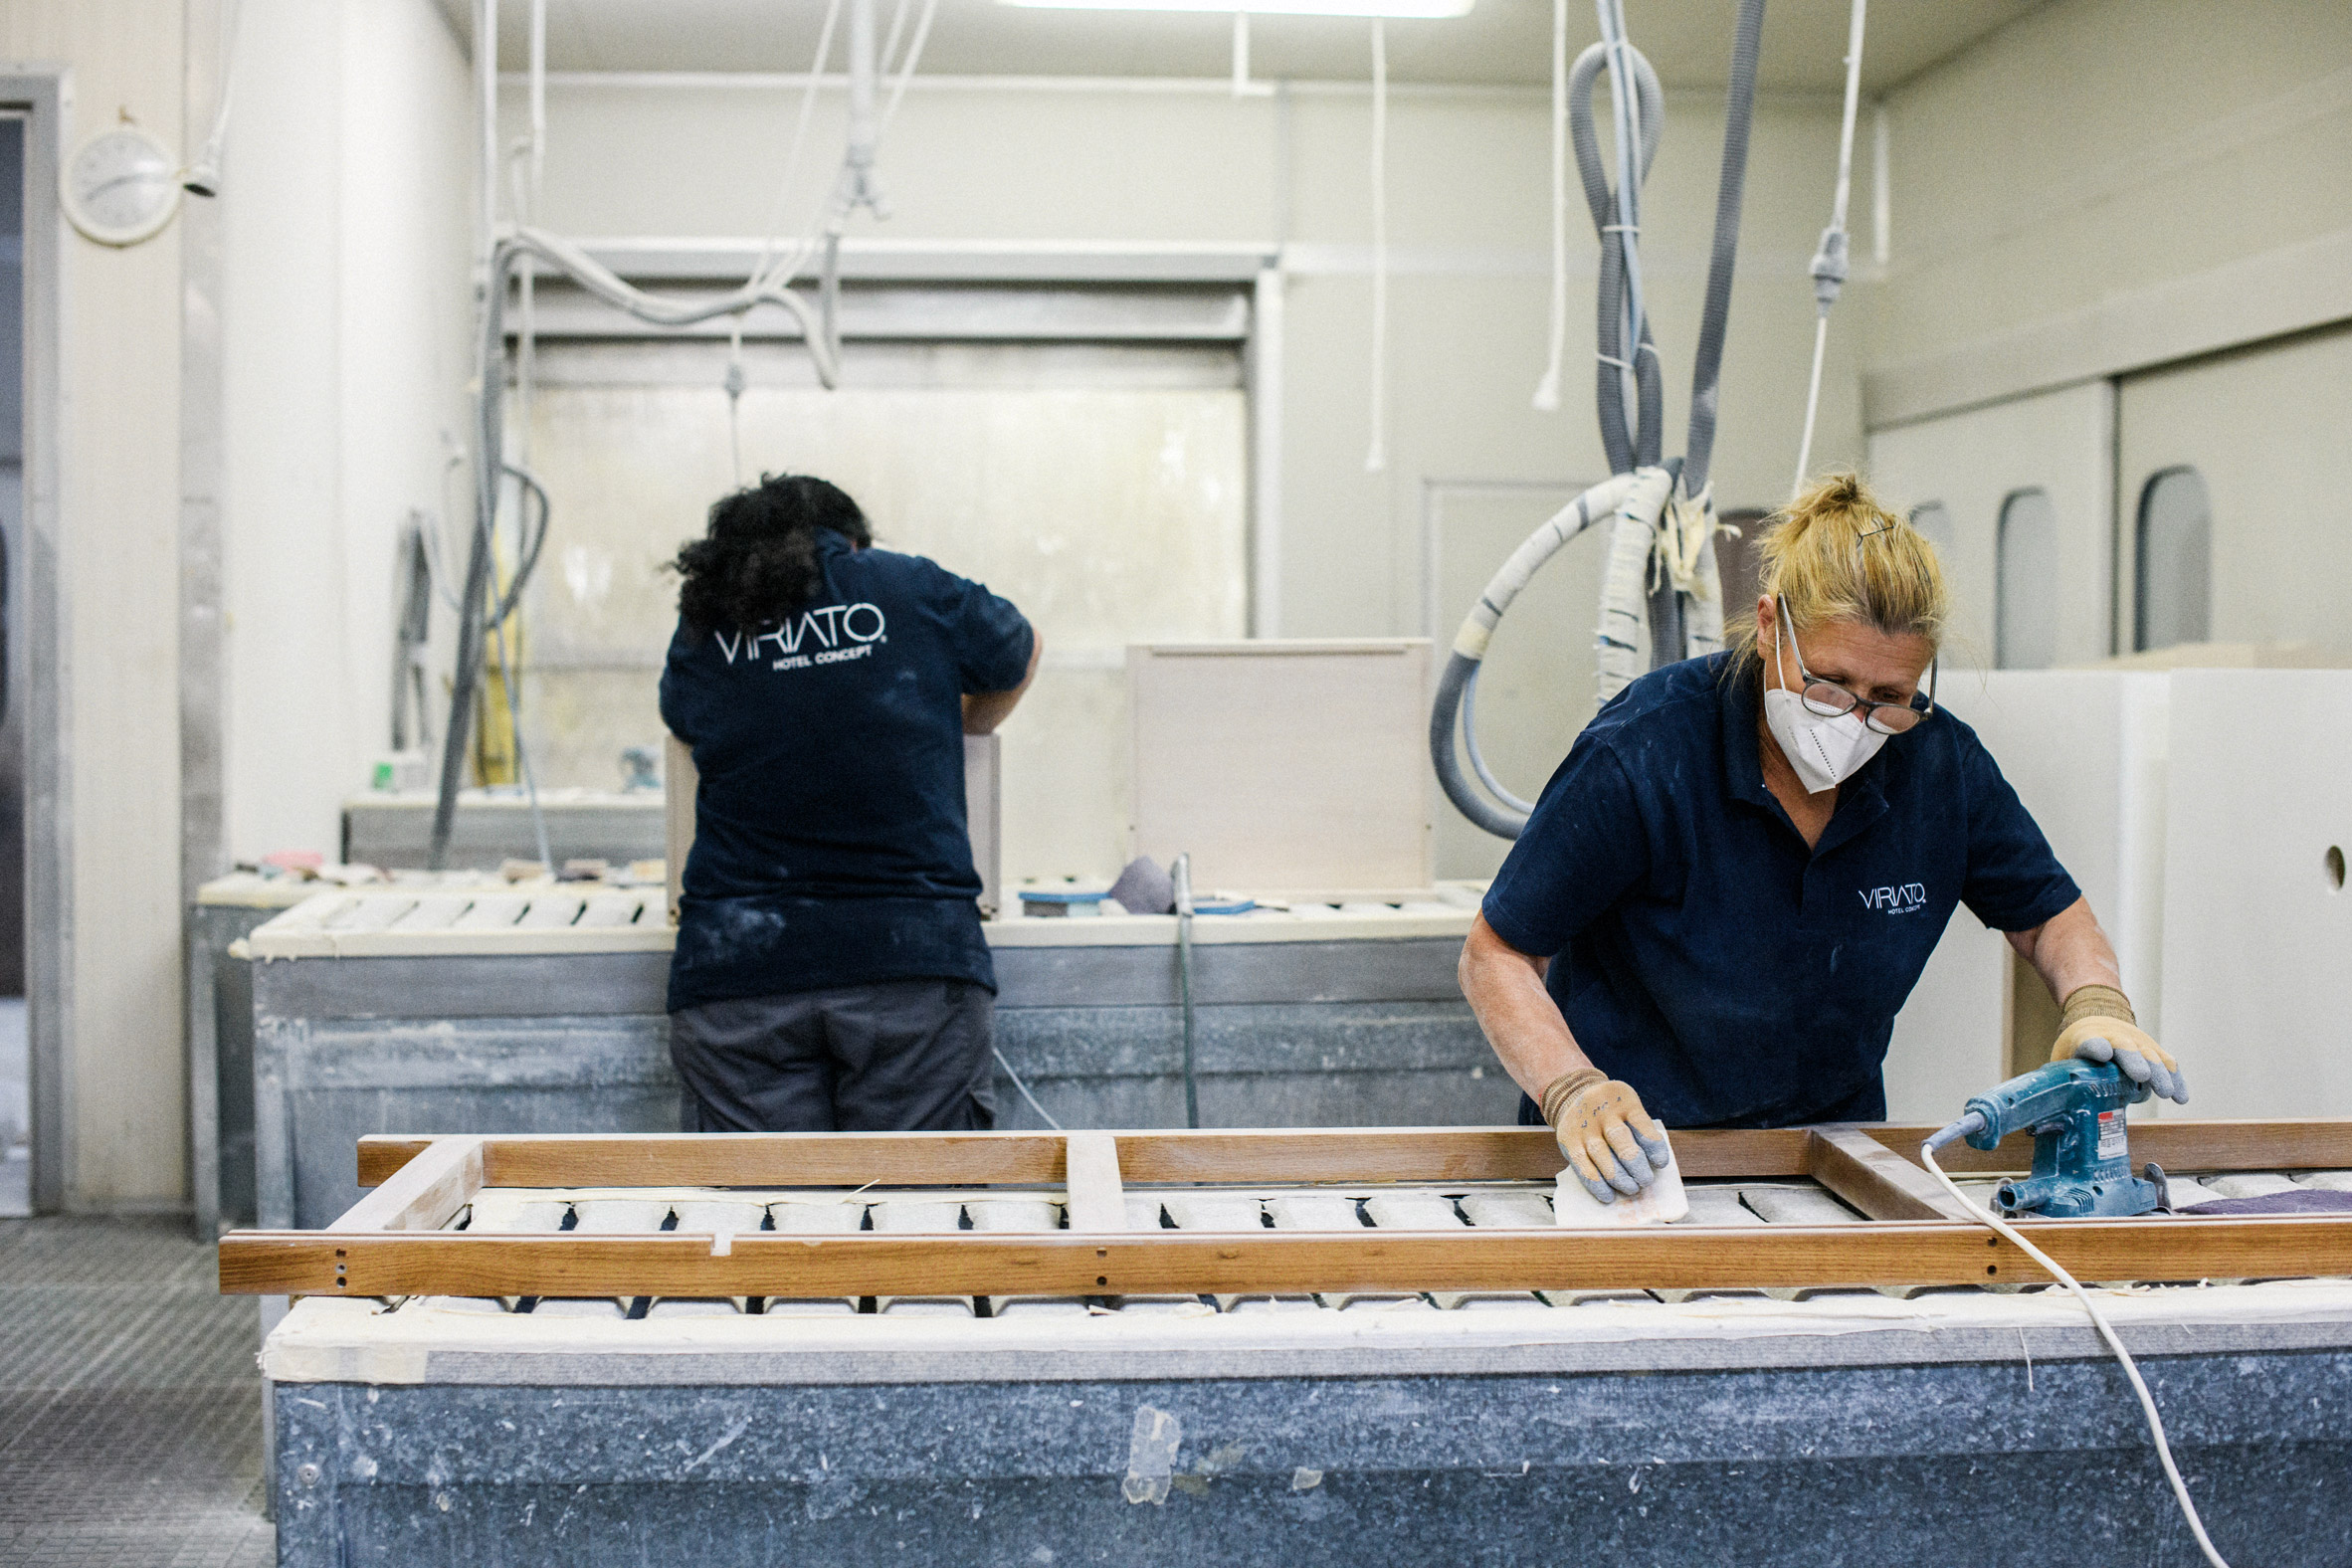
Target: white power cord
point(1024, 1089)
point(2009, 1233)
point(1828, 264)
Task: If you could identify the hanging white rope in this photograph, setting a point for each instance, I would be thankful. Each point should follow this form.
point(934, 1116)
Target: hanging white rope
point(1829, 263)
point(800, 135)
point(1547, 391)
point(1376, 458)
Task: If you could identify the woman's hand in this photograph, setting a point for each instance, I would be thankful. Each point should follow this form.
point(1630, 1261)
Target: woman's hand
point(2098, 1026)
point(1611, 1143)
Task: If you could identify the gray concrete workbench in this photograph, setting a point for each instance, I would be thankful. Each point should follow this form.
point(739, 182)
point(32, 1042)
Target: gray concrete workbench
point(370, 1016)
point(218, 1028)
point(1614, 1427)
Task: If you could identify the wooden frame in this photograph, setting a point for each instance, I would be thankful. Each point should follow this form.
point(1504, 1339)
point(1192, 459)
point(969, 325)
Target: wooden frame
point(393, 1242)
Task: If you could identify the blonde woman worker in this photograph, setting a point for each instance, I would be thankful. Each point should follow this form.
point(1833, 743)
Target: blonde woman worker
point(1729, 889)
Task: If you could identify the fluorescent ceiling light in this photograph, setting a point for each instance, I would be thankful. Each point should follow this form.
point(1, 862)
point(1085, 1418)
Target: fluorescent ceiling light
point(1396, 8)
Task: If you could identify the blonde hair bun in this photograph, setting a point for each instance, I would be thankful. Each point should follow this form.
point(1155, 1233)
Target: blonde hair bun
point(1836, 553)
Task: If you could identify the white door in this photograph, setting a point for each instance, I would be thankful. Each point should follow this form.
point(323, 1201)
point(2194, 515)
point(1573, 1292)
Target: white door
point(2258, 439)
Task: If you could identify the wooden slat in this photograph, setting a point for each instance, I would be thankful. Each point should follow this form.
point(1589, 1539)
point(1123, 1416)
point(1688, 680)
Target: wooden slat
point(1876, 1180)
point(423, 1195)
point(1301, 1156)
point(2216, 1145)
point(776, 1159)
point(1091, 1174)
point(381, 1155)
point(1180, 1262)
point(1284, 1156)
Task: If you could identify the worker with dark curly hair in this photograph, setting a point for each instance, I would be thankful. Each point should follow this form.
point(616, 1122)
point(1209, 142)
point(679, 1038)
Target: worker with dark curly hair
point(831, 974)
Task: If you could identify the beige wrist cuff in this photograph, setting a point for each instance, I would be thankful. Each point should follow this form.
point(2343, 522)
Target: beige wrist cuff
point(2095, 1001)
point(1557, 1093)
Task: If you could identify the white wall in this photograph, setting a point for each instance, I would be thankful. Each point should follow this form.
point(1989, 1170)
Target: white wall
point(1182, 163)
point(2079, 168)
point(119, 541)
point(348, 296)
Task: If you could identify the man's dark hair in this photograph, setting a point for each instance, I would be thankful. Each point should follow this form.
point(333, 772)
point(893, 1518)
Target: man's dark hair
point(758, 559)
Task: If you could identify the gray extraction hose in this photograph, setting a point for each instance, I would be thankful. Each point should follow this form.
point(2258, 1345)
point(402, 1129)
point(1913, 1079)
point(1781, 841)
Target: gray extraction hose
point(1663, 555)
point(1706, 380)
point(1642, 492)
point(1625, 447)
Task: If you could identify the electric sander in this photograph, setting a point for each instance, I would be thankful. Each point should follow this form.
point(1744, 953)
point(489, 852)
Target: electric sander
point(2082, 1152)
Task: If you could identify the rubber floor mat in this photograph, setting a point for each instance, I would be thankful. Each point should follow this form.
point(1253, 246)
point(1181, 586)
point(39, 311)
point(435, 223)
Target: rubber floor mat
point(129, 1403)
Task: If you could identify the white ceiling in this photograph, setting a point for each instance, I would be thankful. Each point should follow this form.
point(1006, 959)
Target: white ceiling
point(1501, 41)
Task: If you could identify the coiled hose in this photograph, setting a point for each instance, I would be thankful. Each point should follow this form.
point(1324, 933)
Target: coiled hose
point(1661, 554)
point(1624, 496)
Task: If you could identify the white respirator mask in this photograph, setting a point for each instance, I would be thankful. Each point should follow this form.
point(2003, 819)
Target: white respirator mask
point(1825, 751)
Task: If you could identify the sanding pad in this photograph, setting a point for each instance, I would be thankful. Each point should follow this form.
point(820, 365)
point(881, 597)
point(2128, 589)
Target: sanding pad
point(1660, 1203)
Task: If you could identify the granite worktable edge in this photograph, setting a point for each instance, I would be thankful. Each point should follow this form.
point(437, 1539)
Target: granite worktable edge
point(327, 1340)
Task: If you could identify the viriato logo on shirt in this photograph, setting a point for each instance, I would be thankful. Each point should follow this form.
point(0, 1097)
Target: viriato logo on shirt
point(1910, 899)
point(836, 631)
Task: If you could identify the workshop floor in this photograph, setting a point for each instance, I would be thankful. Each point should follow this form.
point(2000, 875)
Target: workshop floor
point(131, 1409)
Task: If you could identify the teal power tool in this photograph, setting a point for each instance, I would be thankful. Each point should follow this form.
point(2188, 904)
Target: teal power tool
point(2082, 1152)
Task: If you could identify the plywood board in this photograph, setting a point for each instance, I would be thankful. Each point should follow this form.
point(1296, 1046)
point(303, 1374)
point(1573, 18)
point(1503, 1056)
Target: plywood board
point(1283, 765)
point(2258, 928)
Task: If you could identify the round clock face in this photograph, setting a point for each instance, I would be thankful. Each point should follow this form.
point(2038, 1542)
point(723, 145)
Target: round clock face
point(120, 186)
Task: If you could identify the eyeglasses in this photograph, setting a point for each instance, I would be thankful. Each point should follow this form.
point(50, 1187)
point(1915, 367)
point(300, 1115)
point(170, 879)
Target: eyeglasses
point(1831, 701)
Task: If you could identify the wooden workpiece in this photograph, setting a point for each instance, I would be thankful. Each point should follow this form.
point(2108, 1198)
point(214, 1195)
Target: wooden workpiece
point(396, 1241)
point(1318, 1154)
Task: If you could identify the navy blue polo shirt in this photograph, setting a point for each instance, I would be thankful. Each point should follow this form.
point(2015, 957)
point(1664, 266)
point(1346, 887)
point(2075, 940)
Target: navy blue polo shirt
point(830, 840)
point(1701, 953)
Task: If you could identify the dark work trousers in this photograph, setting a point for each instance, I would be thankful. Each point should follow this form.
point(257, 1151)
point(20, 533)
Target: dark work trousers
point(890, 1056)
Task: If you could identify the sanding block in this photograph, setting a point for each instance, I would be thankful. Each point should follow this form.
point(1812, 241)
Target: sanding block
point(1660, 1203)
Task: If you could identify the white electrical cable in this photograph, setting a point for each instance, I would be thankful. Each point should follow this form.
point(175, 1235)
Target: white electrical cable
point(203, 177)
point(890, 47)
point(526, 201)
point(1834, 240)
point(1547, 390)
point(914, 51)
point(1821, 348)
point(1024, 1089)
point(800, 133)
point(1376, 458)
point(2139, 1387)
